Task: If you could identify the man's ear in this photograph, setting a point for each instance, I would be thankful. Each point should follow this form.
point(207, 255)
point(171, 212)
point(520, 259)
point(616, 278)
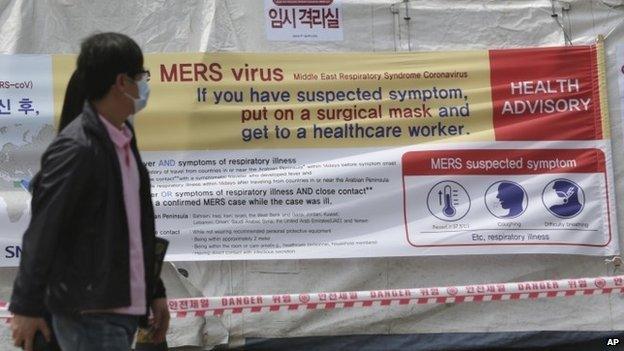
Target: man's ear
point(121, 82)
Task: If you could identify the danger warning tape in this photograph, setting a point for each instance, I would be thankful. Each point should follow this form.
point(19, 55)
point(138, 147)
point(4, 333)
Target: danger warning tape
point(439, 295)
point(217, 306)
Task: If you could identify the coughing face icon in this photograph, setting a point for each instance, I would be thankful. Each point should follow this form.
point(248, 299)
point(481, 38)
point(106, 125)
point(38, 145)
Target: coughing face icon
point(506, 199)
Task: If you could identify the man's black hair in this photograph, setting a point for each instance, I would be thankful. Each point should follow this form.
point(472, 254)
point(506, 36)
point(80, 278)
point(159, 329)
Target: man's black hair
point(102, 57)
point(75, 96)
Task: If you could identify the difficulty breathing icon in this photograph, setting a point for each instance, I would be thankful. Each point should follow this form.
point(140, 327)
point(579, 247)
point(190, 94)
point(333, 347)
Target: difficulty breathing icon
point(563, 198)
point(570, 203)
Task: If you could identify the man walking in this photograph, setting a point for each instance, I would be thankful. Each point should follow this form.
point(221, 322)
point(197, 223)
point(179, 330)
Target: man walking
point(88, 253)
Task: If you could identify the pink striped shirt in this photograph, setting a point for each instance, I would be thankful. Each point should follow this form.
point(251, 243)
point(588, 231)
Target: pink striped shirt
point(131, 185)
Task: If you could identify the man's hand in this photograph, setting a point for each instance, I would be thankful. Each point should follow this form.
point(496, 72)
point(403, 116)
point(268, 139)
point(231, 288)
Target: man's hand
point(160, 323)
point(24, 329)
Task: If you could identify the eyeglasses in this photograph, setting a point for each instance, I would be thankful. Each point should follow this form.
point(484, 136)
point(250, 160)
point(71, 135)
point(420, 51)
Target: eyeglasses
point(144, 73)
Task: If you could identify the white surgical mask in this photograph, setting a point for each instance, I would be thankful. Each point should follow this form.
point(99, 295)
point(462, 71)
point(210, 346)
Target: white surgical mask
point(144, 91)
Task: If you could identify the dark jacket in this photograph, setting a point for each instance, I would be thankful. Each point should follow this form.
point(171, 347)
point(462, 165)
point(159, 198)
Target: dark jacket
point(75, 252)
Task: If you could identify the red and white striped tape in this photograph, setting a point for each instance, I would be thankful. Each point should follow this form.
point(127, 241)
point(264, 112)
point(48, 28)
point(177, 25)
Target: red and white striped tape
point(218, 306)
point(439, 295)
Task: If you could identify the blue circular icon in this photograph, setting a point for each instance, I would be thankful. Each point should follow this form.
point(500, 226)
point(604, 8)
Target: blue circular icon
point(563, 198)
point(506, 199)
point(448, 201)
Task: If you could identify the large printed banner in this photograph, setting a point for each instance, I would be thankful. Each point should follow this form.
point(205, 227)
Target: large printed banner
point(282, 156)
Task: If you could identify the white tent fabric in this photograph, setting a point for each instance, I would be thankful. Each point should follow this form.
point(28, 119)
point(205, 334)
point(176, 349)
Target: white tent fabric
point(57, 26)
